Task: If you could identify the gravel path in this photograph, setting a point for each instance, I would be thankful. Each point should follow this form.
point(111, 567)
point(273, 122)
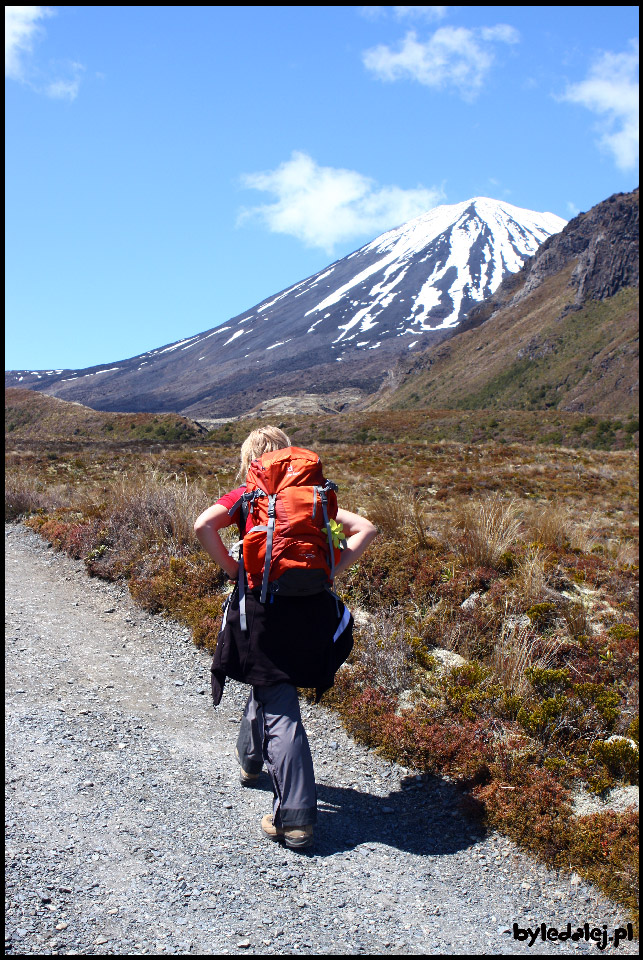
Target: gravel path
point(128, 832)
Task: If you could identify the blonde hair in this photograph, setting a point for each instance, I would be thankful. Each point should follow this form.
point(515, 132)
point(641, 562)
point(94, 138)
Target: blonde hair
point(260, 441)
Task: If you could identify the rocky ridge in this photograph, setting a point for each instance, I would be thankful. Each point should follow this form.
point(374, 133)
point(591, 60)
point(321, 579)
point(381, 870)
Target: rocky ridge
point(571, 312)
point(604, 242)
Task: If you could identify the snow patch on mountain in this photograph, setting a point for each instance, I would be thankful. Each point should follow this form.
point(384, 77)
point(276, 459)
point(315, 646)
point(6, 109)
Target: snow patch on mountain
point(468, 248)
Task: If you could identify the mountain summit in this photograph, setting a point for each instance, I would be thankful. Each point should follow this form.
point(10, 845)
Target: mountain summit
point(560, 333)
point(343, 327)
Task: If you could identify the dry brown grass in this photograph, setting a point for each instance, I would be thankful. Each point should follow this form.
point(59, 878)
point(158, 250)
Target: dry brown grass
point(488, 529)
point(162, 509)
point(530, 579)
point(519, 647)
point(585, 536)
point(23, 495)
point(29, 494)
point(577, 617)
point(625, 553)
point(550, 524)
point(399, 514)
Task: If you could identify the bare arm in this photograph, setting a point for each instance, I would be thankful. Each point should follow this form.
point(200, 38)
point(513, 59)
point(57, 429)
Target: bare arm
point(207, 528)
point(359, 533)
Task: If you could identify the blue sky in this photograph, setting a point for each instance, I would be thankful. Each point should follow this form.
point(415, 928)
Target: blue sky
point(169, 167)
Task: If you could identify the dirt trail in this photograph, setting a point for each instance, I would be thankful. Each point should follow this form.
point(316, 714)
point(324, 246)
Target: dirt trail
point(127, 830)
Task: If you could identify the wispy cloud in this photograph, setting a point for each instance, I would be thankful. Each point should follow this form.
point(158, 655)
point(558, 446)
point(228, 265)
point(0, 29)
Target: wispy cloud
point(424, 13)
point(66, 89)
point(611, 90)
point(23, 26)
point(432, 14)
point(323, 206)
point(456, 57)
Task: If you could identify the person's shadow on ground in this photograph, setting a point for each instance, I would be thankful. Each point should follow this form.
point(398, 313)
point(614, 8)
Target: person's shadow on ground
point(422, 817)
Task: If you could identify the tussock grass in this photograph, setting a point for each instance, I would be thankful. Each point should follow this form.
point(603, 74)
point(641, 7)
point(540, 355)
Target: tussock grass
point(488, 529)
point(577, 617)
point(400, 514)
point(384, 650)
point(161, 510)
point(518, 648)
point(530, 580)
point(23, 495)
point(550, 525)
point(626, 553)
point(585, 536)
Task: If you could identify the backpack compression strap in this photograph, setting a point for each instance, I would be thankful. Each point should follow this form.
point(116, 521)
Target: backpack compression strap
point(269, 536)
point(329, 485)
point(242, 503)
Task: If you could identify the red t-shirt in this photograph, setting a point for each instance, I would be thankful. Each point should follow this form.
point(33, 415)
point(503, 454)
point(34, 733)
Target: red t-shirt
point(228, 500)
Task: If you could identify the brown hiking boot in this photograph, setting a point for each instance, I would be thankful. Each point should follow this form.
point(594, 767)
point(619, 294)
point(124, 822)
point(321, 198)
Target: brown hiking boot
point(293, 837)
point(245, 779)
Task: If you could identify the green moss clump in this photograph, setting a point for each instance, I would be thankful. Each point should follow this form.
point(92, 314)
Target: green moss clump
point(421, 655)
point(604, 700)
point(542, 614)
point(623, 631)
point(619, 757)
point(542, 719)
point(468, 690)
point(547, 681)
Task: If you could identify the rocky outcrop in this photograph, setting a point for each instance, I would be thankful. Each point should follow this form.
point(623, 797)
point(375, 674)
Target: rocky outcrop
point(604, 242)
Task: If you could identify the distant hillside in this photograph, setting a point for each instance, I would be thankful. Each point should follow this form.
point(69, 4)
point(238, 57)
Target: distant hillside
point(31, 415)
point(562, 333)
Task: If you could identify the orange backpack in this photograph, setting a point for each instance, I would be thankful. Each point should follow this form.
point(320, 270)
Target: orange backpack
point(289, 502)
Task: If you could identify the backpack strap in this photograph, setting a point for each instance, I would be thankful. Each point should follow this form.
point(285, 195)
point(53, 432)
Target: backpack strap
point(242, 594)
point(324, 502)
point(269, 537)
point(243, 503)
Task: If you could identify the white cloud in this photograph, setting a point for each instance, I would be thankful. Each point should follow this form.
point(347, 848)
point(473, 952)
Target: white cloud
point(66, 89)
point(425, 13)
point(372, 13)
point(611, 90)
point(502, 32)
point(452, 57)
point(22, 26)
point(323, 206)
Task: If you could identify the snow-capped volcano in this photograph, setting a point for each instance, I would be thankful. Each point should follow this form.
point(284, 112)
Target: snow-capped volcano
point(405, 289)
point(438, 264)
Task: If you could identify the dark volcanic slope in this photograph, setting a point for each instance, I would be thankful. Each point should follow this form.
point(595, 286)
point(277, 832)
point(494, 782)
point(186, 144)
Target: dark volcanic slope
point(561, 333)
point(343, 327)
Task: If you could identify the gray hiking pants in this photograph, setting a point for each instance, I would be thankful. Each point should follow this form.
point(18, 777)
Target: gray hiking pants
point(272, 732)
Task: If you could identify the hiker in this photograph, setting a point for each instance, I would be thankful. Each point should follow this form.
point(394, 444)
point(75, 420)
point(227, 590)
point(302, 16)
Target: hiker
point(289, 632)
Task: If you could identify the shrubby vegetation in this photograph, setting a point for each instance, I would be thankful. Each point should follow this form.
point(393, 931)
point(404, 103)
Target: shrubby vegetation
point(496, 637)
